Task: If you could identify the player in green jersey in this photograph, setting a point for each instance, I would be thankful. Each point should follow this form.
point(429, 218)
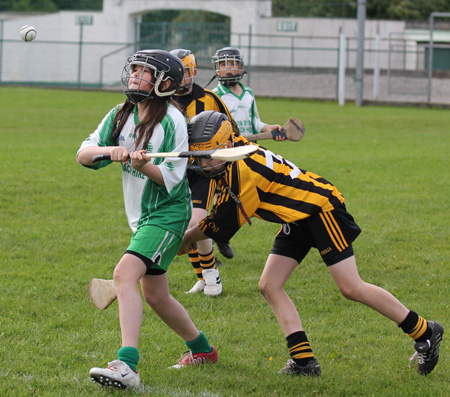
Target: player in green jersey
point(240, 100)
point(157, 205)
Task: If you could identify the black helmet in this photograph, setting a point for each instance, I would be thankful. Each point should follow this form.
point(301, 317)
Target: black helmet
point(189, 62)
point(210, 130)
point(231, 56)
point(165, 66)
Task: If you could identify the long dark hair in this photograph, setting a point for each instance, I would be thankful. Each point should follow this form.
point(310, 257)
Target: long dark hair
point(155, 110)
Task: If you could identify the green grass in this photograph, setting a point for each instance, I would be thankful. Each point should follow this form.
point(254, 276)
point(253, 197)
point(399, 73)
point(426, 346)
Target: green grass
point(62, 224)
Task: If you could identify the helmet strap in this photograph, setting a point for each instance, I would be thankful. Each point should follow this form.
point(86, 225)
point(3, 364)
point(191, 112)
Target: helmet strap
point(223, 182)
point(210, 81)
point(157, 83)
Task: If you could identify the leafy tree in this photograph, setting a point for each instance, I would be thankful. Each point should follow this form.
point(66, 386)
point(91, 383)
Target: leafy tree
point(49, 5)
point(416, 9)
point(79, 4)
point(183, 16)
point(376, 9)
point(28, 5)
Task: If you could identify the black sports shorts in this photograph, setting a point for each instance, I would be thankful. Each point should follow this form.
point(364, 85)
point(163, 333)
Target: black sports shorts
point(330, 232)
point(202, 189)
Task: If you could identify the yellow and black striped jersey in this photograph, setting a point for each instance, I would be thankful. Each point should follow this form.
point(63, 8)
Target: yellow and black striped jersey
point(200, 100)
point(268, 187)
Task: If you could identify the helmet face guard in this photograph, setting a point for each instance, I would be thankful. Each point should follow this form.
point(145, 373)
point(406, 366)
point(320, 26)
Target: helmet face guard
point(210, 130)
point(205, 168)
point(230, 61)
point(190, 70)
point(163, 65)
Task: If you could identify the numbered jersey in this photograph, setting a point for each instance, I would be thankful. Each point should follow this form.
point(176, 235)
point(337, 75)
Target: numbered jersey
point(268, 187)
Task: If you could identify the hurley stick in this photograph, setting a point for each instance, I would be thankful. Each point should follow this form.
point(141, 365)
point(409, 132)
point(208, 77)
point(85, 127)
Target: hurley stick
point(293, 130)
point(229, 154)
point(102, 292)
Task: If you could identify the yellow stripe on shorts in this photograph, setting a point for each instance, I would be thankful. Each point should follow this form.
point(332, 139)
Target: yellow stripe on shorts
point(334, 231)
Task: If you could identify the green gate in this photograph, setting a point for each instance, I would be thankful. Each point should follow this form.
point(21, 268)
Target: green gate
point(202, 38)
point(441, 57)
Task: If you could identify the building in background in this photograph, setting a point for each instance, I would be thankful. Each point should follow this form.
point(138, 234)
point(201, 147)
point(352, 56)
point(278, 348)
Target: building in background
point(285, 57)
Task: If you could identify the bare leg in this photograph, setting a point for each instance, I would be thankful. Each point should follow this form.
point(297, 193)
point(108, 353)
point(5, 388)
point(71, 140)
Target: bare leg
point(156, 293)
point(271, 285)
point(204, 247)
point(126, 277)
point(345, 273)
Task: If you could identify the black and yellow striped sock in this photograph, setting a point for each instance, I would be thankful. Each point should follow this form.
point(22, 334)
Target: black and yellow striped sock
point(207, 261)
point(195, 262)
point(299, 348)
point(416, 327)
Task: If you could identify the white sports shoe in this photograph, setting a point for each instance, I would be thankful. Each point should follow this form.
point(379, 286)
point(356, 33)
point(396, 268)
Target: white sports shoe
point(198, 287)
point(118, 374)
point(213, 285)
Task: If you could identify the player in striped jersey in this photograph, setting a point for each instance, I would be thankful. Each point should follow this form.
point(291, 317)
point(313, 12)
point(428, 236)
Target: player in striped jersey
point(157, 205)
point(193, 99)
point(312, 213)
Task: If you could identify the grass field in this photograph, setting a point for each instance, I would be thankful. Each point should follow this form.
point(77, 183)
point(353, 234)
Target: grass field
point(62, 224)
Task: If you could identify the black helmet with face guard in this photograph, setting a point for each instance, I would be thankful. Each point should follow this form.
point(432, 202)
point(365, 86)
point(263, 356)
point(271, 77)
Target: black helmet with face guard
point(231, 57)
point(164, 65)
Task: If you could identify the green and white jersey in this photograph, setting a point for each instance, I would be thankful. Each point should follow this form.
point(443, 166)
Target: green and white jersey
point(146, 202)
point(242, 108)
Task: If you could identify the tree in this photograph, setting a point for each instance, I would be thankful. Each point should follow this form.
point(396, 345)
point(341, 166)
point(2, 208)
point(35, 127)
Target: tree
point(79, 4)
point(49, 5)
point(376, 9)
point(183, 16)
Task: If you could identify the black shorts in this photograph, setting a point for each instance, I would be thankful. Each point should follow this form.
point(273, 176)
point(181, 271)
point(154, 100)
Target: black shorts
point(332, 233)
point(202, 189)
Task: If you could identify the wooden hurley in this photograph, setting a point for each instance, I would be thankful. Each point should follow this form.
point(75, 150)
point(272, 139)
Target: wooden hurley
point(293, 130)
point(102, 292)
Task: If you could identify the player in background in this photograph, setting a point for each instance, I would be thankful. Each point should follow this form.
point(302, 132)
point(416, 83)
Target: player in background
point(157, 205)
point(229, 69)
point(312, 213)
point(193, 99)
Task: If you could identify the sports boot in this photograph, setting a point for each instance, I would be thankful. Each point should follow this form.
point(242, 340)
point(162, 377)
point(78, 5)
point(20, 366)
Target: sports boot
point(118, 374)
point(427, 353)
point(310, 369)
point(188, 358)
point(213, 284)
point(199, 286)
point(225, 249)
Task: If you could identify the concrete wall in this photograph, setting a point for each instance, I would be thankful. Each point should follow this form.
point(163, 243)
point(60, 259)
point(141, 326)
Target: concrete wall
point(54, 55)
point(309, 43)
point(315, 42)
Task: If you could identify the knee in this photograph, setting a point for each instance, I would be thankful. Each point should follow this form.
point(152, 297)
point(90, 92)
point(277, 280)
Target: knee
point(352, 292)
point(155, 301)
point(152, 300)
point(266, 289)
point(119, 276)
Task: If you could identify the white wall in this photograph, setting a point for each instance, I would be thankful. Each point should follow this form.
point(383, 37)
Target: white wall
point(54, 55)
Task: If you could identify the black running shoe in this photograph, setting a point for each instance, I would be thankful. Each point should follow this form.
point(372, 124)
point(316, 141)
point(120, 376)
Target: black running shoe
point(310, 369)
point(225, 250)
point(427, 353)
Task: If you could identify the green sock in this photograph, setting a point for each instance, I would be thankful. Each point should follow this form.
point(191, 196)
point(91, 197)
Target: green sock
point(129, 355)
point(199, 344)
